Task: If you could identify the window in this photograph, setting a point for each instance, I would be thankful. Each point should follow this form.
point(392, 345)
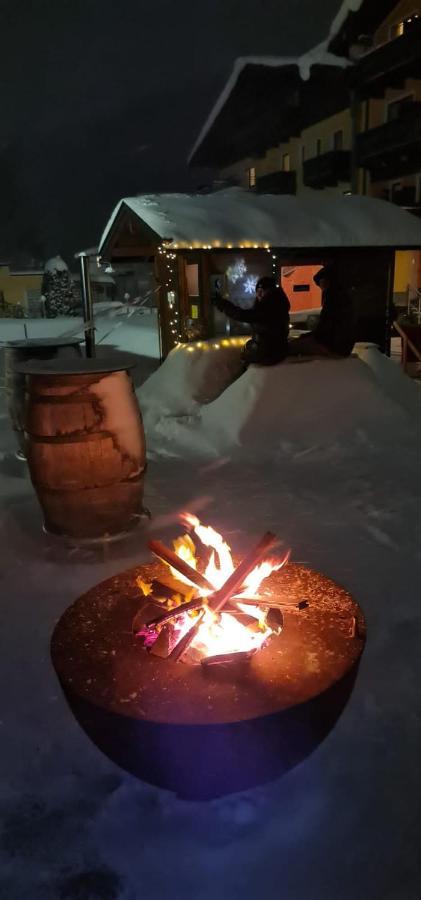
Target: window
point(318, 146)
point(252, 177)
point(396, 30)
point(301, 288)
point(397, 107)
point(286, 162)
point(394, 190)
point(405, 25)
point(338, 140)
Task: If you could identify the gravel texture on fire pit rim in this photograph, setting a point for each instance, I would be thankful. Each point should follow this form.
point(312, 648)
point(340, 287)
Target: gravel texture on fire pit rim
point(98, 658)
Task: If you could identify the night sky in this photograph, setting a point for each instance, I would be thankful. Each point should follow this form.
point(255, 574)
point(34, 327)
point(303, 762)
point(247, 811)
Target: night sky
point(99, 100)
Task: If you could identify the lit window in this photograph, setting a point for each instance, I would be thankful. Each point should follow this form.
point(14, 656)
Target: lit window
point(399, 28)
point(252, 177)
point(286, 162)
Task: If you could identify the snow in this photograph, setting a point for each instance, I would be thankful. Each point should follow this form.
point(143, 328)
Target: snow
point(113, 327)
point(238, 217)
point(347, 7)
point(328, 407)
point(56, 264)
point(345, 823)
point(316, 56)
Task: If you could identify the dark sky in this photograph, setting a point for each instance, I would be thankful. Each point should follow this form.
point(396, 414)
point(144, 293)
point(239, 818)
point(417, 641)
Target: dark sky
point(99, 100)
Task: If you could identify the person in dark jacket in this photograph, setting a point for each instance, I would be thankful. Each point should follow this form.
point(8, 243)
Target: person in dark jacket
point(269, 320)
point(334, 334)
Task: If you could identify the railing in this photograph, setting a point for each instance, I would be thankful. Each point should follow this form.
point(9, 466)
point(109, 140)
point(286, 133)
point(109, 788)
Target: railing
point(398, 134)
point(327, 169)
point(380, 67)
point(277, 183)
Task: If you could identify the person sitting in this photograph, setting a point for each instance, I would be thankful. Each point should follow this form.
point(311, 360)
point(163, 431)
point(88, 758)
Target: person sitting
point(269, 320)
point(334, 334)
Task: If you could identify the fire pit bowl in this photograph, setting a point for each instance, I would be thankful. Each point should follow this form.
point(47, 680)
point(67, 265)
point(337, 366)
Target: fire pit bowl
point(206, 732)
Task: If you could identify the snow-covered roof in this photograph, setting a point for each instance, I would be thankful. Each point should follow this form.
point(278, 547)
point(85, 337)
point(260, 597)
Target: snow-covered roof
point(317, 56)
point(243, 218)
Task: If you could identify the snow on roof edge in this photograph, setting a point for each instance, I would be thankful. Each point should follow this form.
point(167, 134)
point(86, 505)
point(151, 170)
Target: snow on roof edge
point(347, 7)
point(240, 218)
point(317, 55)
point(110, 224)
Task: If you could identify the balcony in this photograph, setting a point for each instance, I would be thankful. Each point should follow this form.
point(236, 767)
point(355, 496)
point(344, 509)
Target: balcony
point(328, 169)
point(405, 197)
point(392, 149)
point(277, 183)
point(388, 65)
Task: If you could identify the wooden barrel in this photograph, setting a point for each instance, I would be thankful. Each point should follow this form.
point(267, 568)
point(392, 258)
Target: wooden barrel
point(85, 449)
point(16, 352)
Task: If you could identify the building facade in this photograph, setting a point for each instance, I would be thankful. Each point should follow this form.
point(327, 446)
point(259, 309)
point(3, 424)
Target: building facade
point(366, 139)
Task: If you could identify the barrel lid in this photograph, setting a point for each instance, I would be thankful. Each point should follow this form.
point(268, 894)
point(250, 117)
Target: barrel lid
point(27, 344)
point(78, 365)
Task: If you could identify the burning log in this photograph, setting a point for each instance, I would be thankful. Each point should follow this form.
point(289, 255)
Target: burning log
point(183, 645)
point(237, 578)
point(170, 557)
point(227, 658)
point(165, 643)
point(148, 612)
point(168, 614)
point(275, 620)
point(166, 586)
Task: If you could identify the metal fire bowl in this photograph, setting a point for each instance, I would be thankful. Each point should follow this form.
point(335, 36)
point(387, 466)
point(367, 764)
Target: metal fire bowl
point(202, 732)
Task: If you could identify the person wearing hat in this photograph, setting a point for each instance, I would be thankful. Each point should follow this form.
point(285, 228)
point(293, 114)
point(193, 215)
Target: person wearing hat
point(269, 320)
point(334, 334)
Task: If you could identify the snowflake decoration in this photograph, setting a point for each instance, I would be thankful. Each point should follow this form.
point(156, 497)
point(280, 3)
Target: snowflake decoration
point(250, 284)
point(236, 271)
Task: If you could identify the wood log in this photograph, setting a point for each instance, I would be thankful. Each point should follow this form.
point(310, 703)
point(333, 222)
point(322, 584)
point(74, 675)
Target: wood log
point(236, 580)
point(227, 658)
point(184, 644)
point(170, 557)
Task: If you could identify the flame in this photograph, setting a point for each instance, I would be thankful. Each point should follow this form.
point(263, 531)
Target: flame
point(223, 633)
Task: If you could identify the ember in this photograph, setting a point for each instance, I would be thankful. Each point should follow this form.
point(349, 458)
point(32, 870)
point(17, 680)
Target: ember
point(202, 627)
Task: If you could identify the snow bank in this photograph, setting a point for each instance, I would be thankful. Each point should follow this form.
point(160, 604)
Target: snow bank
point(268, 414)
point(191, 375)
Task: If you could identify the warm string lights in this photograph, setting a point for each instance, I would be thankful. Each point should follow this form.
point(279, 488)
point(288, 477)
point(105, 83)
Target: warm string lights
point(218, 245)
point(171, 290)
point(166, 250)
point(213, 345)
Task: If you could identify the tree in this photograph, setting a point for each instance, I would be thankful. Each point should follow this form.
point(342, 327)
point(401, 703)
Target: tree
point(57, 288)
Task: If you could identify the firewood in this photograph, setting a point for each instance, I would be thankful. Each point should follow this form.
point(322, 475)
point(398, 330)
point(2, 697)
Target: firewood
point(145, 615)
point(181, 648)
point(237, 578)
point(227, 658)
point(275, 620)
point(168, 614)
point(168, 556)
point(165, 642)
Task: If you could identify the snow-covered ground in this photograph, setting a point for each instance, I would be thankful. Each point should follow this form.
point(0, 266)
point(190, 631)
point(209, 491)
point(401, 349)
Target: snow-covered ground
point(137, 333)
point(343, 825)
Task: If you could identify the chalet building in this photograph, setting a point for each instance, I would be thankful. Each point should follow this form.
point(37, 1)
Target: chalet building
point(344, 118)
point(20, 290)
point(223, 241)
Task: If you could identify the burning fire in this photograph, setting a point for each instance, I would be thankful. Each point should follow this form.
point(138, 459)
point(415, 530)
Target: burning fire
point(223, 632)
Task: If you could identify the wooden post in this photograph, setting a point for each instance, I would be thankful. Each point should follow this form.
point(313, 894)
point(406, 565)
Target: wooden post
point(204, 287)
point(355, 110)
point(389, 302)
